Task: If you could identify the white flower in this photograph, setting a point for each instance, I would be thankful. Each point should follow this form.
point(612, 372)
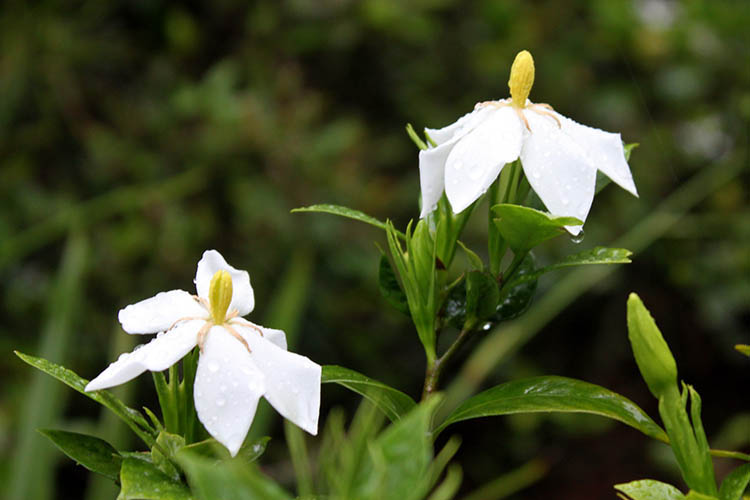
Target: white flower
point(239, 361)
point(559, 156)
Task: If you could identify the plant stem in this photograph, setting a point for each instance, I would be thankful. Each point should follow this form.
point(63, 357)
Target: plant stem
point(434, 369)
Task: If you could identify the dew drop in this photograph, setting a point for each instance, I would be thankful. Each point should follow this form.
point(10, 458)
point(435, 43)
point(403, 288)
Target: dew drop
point(577, 238)
point(223, 388)
point(213, 367)
point(221, 402)
point(458, 165)
point(486, 326)
point(536, 175)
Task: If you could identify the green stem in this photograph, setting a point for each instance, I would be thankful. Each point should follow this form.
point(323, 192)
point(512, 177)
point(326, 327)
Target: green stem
point(435, 368)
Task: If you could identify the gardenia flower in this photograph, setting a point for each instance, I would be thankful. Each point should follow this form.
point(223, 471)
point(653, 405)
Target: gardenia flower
point(559, 156)
point(239, 361)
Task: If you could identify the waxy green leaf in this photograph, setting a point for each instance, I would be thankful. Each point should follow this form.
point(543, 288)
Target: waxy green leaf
point(93, 453)
point(140, 479)
point(516, 297)
point(394, 403)
point(229, 480)
point(555, 394)
point(596, 255)
point(523, 228)
point(133, 418)
point(389, 286)
point(347, 212)
point(735, 483)
point(648, 489)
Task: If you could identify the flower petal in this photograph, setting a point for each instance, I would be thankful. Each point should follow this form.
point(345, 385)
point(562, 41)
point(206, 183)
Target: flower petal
point(604, 149)
point(558, 169)
point(478, 157)
point(460, 127)
point(432, 175)
point(162, 352)
point(160, 312)
point(292, 381)
point(247, 328)
point(242, 293)
point(227, 388)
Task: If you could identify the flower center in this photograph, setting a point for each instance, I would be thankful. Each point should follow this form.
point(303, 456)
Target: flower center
point(219, 296)
point(521, 78)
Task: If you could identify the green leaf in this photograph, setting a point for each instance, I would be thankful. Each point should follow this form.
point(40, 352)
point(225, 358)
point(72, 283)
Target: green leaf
point(394, 403)
point(515, 298)
point(482, 296)
point(629, 149)
point(404, 451)
point(523, 228)
point(93, 453)
point(596, 255)
point(164, 451)
point(349, 213)
point(211, 448)
point(743, 348)
point(140, 479)
point(652, 354)
point(228, 480)
point(555, 394)
point(474, 260)
point(390, 287)
point(648, 489)
point(735, 483)
point(133, 418)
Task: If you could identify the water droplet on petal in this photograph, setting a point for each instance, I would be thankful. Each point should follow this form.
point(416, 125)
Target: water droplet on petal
point(213, 367)
point(221, 402)
point(577, 238)
point(458, 165)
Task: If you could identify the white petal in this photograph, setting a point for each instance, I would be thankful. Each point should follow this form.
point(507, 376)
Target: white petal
point(159, 354)
point(604, 149)
point(242, 293)
point(558, 169)
point(160, 312)
point(227, 389)
point(432, 175)
point(292, 381)
point(460, 127)
point(478, 157)
point(247, 329)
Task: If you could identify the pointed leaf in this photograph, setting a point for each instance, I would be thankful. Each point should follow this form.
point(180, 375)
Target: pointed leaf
point(93, 453)
point(596, 255)
point(347, 212)
point(523, 228)
point(735, 483)
point(482, 295)
point(516, 297)
point(648, 489)
point(394, 403)
point(133, 418)
point(228, 480)
point(142, 480)
point(555, 394)
point(390, 287)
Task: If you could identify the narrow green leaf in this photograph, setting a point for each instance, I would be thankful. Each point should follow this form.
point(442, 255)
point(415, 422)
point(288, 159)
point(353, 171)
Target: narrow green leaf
point(450, 485)
point(652, 354)
point(142, 480)
point(474, 260)
point(523, 228)
point(93, 453)
point(228, 480)
point(347, 212)
point(555, 394)
point(648, 489)
point(390, 287)
point(511, 482)
point(596, 255)
point(735, 483)
point(295, 441)
point(211, 448)
point(131, 417)
point(394, 403)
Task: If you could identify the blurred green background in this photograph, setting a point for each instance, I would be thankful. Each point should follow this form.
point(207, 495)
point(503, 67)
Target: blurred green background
point(134, 135)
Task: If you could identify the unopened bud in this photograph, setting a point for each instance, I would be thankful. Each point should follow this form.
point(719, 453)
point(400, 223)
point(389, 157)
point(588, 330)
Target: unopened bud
point(521, 78)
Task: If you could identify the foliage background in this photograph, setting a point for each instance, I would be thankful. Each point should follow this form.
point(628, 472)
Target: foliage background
point(134, 135)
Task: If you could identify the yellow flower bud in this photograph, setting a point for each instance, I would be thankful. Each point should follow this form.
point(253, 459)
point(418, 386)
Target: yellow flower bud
point(521, 78)
point(220, 296)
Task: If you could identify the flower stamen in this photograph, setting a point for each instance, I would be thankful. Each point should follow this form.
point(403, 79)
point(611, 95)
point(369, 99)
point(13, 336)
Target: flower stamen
point(236, 335)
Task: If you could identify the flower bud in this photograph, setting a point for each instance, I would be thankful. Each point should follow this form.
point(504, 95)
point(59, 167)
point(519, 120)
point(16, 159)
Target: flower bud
point(521, 78)
point(652, 354)
point(220, 296)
